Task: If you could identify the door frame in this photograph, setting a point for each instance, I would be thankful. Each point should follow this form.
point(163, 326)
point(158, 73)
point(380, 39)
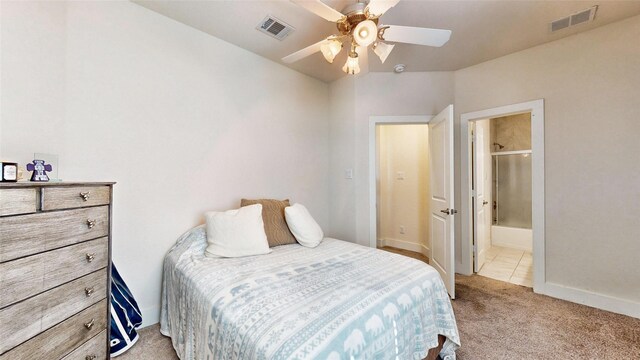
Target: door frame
point(536, 108)
point(373, 122)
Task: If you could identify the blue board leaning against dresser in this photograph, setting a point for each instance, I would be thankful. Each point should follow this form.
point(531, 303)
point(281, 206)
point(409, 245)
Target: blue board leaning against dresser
point(125, 315)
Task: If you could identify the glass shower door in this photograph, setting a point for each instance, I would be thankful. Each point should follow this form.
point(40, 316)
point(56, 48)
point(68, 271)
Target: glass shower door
point(512, 190)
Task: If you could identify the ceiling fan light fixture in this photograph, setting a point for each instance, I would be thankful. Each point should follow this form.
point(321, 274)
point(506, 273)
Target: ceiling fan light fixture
point(352, 66)
point(365, 33)
point(359, 25)
point(382, 50)
point(330, 49)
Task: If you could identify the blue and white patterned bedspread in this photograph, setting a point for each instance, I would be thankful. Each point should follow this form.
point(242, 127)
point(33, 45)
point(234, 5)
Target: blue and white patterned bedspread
point(336, 301)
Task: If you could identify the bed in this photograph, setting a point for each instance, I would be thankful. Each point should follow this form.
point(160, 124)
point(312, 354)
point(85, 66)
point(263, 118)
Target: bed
point(336, 301)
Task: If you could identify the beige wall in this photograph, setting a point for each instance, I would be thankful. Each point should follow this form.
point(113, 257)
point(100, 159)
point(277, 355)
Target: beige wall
point(589, 83)
point(342, 95)
point(513, 132)
point(402, 200)
point(184, 122)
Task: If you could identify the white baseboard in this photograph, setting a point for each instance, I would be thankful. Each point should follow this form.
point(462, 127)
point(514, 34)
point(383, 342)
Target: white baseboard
point(150, 315)
point(598, 301)
point(405, 245)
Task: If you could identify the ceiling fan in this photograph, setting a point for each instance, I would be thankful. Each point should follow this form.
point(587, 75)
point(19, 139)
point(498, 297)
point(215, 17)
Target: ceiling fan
point(359, 25)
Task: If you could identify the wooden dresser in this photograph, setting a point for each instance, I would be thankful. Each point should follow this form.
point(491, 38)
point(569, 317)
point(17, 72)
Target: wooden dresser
point(55, 251)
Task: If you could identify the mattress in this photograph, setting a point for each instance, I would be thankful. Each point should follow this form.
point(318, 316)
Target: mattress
point(336, 301)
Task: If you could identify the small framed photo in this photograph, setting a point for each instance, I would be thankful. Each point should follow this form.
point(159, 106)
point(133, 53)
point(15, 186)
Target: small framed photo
point(9, 172)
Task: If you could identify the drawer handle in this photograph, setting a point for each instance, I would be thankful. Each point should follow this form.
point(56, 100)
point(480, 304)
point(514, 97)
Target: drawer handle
point(89, 291)
point(85, 195)
point(91, 223)
point(90, 357)
point(90, 257)
point(89, 325)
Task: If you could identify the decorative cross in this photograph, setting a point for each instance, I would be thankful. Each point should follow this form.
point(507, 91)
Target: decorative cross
point(39, 169)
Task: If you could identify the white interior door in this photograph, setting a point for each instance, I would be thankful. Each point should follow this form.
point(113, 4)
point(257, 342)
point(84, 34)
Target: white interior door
point(480, 199)
point(441, 202)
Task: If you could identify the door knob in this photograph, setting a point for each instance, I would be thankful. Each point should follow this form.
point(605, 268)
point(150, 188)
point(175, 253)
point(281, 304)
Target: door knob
point(449, 211)
point(446, 211)
point(485, 203)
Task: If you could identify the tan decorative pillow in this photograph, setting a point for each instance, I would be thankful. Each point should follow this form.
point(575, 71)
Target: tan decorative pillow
point(275, 225)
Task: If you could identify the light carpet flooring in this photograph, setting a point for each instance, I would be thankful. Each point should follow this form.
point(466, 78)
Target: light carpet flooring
point(499, 320)
point(511, 265)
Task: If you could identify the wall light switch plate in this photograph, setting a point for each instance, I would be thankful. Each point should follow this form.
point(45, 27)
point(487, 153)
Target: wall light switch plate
point(348, 174)
point(401, 229)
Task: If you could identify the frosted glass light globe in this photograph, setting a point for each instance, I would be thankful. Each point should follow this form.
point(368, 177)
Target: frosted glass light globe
point(352, 66)
point(365, 33)
point(330, 49)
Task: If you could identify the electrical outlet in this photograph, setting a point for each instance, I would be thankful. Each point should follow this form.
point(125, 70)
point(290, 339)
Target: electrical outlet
point(400, 175)
point(401, 229)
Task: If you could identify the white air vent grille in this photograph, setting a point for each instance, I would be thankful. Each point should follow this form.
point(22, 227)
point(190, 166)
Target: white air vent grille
point(574, 19)
point(560, 24)
point(582, 16)
point(275, 28)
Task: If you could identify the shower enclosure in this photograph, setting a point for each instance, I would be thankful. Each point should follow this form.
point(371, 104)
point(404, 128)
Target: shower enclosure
point(512, 199)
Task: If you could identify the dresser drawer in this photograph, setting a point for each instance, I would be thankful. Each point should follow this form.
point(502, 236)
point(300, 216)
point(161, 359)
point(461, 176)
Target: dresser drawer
point(30, 234)
point(54, 198)
point(94, 349)
point(17, 201)
point(22, 321)
point(63, 338)
point(22, 278)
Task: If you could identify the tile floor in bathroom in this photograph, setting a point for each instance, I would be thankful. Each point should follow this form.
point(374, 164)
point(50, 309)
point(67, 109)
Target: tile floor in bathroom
point(511, 265)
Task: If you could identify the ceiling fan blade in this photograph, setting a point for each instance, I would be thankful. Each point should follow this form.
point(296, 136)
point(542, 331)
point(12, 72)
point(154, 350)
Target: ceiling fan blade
point(321, 9)
point(301, 54)
point(379, 7)
point(416, 35)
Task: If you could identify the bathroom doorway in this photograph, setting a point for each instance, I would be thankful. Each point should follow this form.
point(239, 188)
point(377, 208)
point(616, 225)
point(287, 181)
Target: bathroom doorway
point(502, 206)
point(501, 201)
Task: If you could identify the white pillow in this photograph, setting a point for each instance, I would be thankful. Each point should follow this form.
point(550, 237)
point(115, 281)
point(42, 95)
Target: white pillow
point(236, 233)
point(302, 226)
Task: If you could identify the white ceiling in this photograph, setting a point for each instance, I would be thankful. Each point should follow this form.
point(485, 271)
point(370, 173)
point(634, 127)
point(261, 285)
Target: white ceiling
point(482, 30)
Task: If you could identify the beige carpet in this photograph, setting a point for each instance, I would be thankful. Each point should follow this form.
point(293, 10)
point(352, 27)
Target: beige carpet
point(498, 320)
point(150, 346)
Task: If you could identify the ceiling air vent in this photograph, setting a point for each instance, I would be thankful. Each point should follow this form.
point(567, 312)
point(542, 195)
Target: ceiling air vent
point(274, 27)
point(560, 24)
point(578, 18)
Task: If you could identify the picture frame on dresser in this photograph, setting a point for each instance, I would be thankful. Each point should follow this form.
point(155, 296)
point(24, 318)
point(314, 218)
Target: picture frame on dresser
point(55, 270)
point(8, 171)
